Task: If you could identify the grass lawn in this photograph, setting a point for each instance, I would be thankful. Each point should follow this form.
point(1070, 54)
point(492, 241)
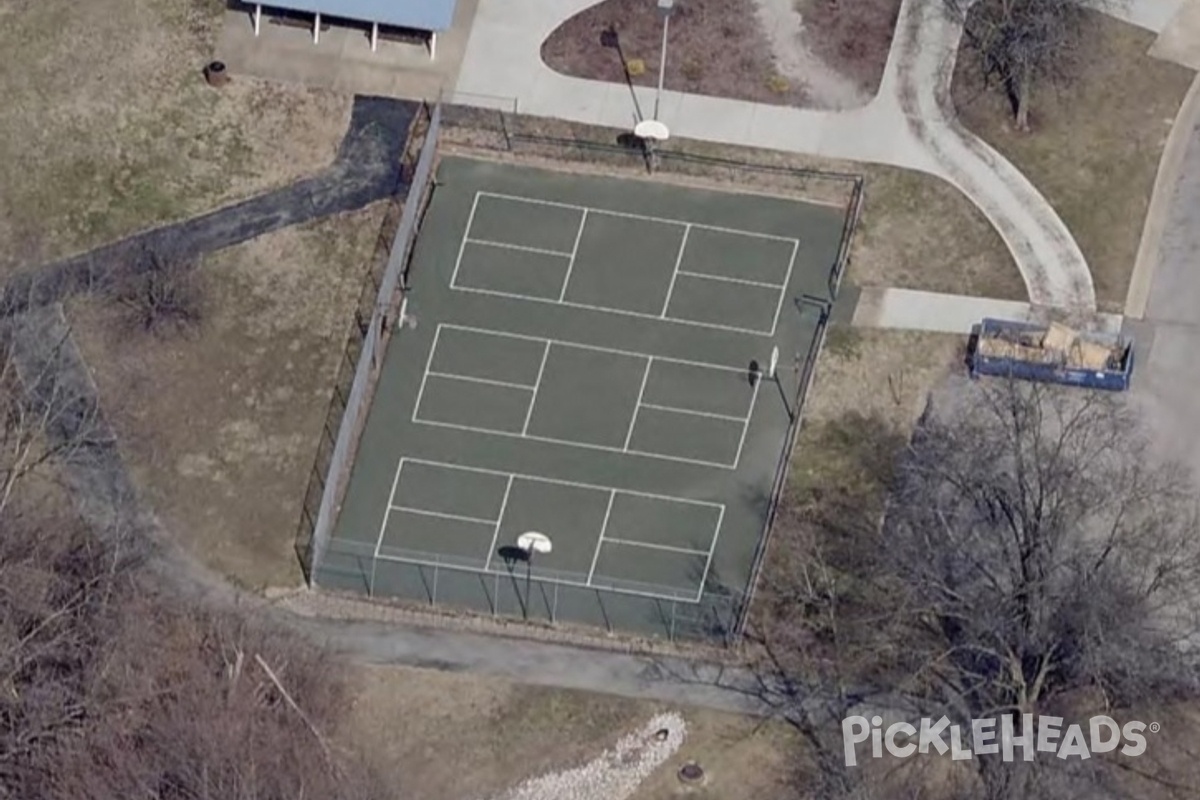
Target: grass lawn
point(1095, 144)
point(220, 426)
point(454, 736)
point(109, 127)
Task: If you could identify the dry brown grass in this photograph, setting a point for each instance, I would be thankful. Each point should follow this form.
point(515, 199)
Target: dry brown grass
point(867, 383)
point(853, 38)
point(109, 127)
point(919, 232)
point(454, 736)
point(715, 47)
point(1095, 144)
point(220, 427)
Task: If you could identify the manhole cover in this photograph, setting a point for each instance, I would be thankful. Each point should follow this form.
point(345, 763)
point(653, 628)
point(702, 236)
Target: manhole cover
point(691, 772)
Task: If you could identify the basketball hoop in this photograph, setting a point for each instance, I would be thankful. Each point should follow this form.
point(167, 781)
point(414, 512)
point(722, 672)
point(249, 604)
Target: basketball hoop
point(534, 542)
point(774, 362)
point(652, 130)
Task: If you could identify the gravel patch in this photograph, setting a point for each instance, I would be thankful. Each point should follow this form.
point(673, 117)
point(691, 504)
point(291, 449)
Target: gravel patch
point(614, 775)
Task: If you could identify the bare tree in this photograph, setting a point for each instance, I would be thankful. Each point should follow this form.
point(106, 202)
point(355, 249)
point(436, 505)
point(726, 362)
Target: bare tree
point(1033, 558)
point(43, 417)
point(160, 293)
point(1022, 44)
point(1043, 550)
point(108, 688)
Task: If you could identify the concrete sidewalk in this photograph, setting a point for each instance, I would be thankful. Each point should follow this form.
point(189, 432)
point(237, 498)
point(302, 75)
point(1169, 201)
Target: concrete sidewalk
point(1153, 15)
point(907, 309)
point(903, 126)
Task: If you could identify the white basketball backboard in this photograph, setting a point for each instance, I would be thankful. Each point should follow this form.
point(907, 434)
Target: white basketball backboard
point(534, 542)
point(652, 129)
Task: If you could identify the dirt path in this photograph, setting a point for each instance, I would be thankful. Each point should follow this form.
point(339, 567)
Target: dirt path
point(367, 169)
point(826, 88)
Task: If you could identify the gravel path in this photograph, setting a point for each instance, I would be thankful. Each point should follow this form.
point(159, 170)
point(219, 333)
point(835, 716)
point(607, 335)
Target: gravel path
point(826, 88)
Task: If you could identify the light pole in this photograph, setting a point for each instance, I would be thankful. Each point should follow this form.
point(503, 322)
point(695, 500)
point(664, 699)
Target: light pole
point(664, 9)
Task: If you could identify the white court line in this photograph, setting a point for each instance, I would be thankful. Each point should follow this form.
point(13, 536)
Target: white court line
point(577, 484)
point(600, 540)
point(783, 289)
point(569, 443)
point(564, 343)
point(724, 279)
point(512, 476)
point(675, 272)
point(643, 217)
point(490, 382)
point(522, 247)
point(524, 434)
point(442, 515)
point(709, 414)
point(499, 522)
point(462, 245)
point(621, 311)
point(638, 406)
point(388, 509)
point(537, 385)
point(746, 426)
point(562, 294)
point(649, 546)
point(712, 548)
point(433, 564)
point(425, 375)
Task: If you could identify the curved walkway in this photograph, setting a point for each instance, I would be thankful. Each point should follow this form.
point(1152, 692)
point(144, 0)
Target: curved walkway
point(906, 125)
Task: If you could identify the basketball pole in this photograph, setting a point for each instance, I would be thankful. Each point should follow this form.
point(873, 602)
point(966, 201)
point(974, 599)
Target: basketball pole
point(773, 372)
point(528, 582)
point(664, 8)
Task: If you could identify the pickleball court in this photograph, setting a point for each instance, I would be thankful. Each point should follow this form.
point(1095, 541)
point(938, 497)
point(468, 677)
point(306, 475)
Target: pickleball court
point(585, 358)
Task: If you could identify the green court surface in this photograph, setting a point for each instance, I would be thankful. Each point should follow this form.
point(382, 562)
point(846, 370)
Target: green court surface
point(584, 358)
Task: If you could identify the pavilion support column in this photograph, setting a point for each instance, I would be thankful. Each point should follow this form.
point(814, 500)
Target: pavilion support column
point(257, 18)
point(432, 45)
point(374, 36)
point(317, 29)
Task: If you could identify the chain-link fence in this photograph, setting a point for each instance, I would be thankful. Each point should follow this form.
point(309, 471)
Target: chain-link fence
point(380, 311)
point(495, 125)
point(512, 590)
